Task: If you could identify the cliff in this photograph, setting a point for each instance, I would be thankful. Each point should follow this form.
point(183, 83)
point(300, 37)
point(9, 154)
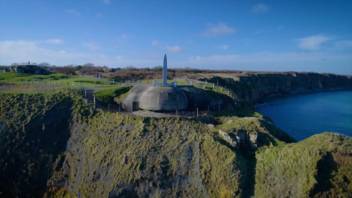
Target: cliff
point(259, 87)
point(61, 149)
point(56, 145)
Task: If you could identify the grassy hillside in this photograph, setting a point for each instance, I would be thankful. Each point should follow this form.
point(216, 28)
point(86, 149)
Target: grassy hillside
point(54, 144)
point(34, 129)
point(320, 166)
point(78, 153)
point(120, 155)
point(114, 153)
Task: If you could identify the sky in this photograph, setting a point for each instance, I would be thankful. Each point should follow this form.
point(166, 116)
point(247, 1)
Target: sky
point(291, 35)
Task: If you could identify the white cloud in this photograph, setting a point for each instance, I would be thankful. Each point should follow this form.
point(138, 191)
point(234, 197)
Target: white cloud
point(91, 46)
point(54, 41)
point(99, 15)
point(155, 43)
point(224, 47)
point(73, 12)
point(219, 29)
point(124, 36)
point(174, 49)
point(22, 51)
point(17, 51)
point(106, 1)
point(313, 42)
point(343, 44)
point(260, 8)
point(285, 61)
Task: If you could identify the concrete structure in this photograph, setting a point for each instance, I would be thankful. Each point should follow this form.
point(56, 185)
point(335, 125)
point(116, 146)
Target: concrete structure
point(157, 97)
point(164, 97)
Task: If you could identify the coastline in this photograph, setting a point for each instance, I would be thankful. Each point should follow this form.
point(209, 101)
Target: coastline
point(281, 97)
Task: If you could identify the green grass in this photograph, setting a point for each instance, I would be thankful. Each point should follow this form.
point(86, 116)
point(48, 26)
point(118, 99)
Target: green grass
point(12, 77)
point(11, 82)
point(292, 169)
point(107, 96)
point(135, 151)
point(199, 84)
point(18, 109)
point(33, 130)
point(219, 169)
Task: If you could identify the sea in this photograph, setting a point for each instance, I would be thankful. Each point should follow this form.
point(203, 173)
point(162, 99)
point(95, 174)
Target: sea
point(304, 115)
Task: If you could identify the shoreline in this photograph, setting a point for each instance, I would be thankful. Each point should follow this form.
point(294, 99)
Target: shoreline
point(280, 97)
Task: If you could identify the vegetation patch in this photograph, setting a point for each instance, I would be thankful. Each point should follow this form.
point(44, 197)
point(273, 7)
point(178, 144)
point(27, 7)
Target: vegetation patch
point(293, 169)
point(34, 131)
point(107, 96)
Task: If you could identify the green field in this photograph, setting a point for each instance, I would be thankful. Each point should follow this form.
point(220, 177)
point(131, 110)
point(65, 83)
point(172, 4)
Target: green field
point(15, 82)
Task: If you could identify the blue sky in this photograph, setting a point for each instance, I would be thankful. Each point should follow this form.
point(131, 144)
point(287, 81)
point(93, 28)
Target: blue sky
point(223, 34)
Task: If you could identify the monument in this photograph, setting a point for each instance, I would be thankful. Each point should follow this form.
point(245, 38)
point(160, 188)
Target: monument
point(164, 75)
point(161, 96)
point(156, 97)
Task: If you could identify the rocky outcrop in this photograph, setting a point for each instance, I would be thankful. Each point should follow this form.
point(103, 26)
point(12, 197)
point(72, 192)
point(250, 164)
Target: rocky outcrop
point(249, 133)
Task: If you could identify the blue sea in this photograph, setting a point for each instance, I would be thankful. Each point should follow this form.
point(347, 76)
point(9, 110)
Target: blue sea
point(304, 115)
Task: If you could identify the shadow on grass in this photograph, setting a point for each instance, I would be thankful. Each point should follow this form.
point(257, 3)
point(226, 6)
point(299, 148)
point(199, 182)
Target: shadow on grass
point(246, 162)
point(326, 166)
point(30, 156)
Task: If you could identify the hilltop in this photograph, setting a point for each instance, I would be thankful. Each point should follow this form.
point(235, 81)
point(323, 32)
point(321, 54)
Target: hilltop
point(57, 142)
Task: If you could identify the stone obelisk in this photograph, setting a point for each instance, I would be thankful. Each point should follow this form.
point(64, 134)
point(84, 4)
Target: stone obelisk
point(165, 71)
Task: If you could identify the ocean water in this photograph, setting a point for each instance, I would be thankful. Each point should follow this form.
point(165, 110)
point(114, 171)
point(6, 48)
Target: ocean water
point(305, 115)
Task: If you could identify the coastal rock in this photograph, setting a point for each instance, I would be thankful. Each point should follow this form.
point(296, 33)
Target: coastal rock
point(231, 139)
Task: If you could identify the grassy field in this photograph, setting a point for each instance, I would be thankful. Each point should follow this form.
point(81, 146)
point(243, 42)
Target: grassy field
point(17, 83)
point(105, 89)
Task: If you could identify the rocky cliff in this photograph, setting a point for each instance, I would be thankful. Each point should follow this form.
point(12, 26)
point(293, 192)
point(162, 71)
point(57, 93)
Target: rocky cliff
point(259, 87)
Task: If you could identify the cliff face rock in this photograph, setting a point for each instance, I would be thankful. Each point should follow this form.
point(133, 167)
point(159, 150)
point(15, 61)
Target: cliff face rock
point(255, 88)
point(207, 100)
point(249, 133)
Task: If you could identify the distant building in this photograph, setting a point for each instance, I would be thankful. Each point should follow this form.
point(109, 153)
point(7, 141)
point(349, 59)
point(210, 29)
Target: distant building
point(3, 69)
point(30, 69)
